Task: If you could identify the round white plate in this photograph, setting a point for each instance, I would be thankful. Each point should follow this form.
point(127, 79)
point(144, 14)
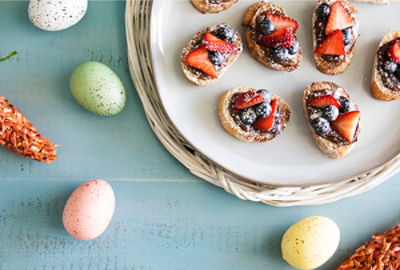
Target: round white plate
point(292, 158)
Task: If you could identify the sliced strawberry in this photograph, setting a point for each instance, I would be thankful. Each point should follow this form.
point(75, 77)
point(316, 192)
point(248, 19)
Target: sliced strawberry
point(198, 58)
point(267, 123)
point(333, 44)
point(323, 101)
point(394, 51)
point(247, 99)
point(215, 44)
point(281, 22)
point(283, 38)
point(346, 125)
point(339, 18)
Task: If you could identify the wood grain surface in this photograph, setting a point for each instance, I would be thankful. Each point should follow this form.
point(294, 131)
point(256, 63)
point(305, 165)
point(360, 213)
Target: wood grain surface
point(165, 218)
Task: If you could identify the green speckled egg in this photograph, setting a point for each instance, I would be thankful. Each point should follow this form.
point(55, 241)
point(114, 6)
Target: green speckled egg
point(98, 89)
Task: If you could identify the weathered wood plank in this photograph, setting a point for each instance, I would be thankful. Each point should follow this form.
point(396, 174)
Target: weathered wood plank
point(37, 82)
point(190, 225)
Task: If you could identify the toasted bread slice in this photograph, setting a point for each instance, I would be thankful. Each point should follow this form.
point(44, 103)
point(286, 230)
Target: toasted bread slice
point(380, 2)
point(378, 88)
point(329, 66)
point(328, 147)
point(258, 52)
point(198, 77)
point(206, 6)
point(381, 252)
point(232, 127)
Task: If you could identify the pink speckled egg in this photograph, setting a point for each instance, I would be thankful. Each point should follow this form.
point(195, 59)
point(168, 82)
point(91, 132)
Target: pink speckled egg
point(89, 210)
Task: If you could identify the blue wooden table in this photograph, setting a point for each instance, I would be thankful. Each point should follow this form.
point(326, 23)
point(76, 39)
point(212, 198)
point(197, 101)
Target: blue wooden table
point(165, 218)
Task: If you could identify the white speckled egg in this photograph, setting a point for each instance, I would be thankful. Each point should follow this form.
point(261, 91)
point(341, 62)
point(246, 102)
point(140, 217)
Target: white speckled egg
point(98, 89)
point(56, 15)
point(310, 242)
point(89, 210)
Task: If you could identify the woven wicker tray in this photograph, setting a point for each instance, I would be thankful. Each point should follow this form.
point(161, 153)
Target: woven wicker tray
point(138, 21)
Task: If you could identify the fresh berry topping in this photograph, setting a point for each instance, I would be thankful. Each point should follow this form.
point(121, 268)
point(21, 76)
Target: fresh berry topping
point(266, 94)
point(389, 66)
point(346, 105)
point(295, 48)
point(397, 74)
point(320, 125)
point(394, 51)
point(216, 57)
point(225, 32)
point(266, 27)
point(215, 44)
point(247, 116)
point(332, 45)
point(323, 11)
point(346, 125)
point(280, 54)
point(281, 22)
point(323, 101)
point(247, 99)
point(267, 123)
point(280, 39)
point(198, 58)
point(276, 129)
point(339, 18)
point(263, 109)
point(330, 113)
point(347, 36)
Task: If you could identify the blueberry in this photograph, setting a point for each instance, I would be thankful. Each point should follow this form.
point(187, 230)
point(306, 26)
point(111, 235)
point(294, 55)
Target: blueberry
point(225, 32)
point(248, 116)
point(347, 36)
point(324, 10)
point(390, 66)
point(281, 54)
point(277, 128)
point(266, 94)
point(295, 48)
point(263, 109)
point(398, 74)
point(216, 57)
point(330, 113)
point(321, 125)
point(266, 27)
point(346, 105)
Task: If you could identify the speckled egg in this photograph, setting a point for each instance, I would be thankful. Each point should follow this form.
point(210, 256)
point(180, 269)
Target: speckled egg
point(89, 210)
point(56, 15)
point(310, 242)
point(97, 88)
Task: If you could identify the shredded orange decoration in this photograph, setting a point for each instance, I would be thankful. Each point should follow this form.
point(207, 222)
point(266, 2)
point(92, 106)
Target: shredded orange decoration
point(21, 137)
point(381, 253)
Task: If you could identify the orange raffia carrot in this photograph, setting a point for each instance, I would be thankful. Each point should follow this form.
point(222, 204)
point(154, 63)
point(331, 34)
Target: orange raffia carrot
point(381, 253)
point(21, 137)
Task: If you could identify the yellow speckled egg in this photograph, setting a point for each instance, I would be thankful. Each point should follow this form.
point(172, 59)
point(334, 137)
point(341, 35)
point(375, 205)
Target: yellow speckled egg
point(310, 242)
point(89, 210)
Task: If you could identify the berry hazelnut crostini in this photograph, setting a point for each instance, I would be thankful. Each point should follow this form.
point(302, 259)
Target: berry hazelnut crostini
point(210, 53)
point(385, 83)
point(335, 32)
point(271, 37)
point(333, 118)
point(253, 115)
point(212, 6)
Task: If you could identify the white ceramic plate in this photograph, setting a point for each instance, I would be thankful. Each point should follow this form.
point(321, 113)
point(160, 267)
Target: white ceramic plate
point(292, 158)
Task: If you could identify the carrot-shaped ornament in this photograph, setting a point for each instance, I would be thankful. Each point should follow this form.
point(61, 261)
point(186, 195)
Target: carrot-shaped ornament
point(381, 253)
point(21, 137)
